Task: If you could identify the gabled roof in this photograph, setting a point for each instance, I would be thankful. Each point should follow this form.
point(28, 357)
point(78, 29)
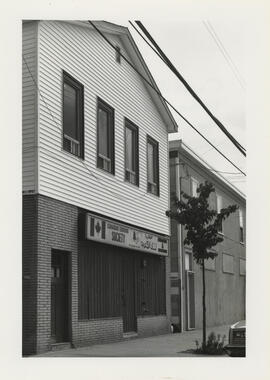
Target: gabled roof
point(138, 61)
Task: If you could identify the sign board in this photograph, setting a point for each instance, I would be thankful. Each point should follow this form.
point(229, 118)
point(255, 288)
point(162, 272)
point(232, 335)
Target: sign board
point(108, 232)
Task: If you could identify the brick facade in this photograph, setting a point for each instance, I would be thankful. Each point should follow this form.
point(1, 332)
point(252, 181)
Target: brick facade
point(49, 225)
point(29, 262)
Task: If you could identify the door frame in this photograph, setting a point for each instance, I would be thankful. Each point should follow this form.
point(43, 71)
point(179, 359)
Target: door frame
point(68, 272)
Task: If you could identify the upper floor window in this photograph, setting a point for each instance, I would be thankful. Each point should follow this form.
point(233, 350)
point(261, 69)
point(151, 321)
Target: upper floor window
point(152, 166)
point(219, 207)
point(73, 121)
point(241, 224)
point(105, 137)
point(131, 153)
point(194, 187)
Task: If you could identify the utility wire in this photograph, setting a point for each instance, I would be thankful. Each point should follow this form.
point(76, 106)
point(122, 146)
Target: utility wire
point(191, 91)
point(224, 52)
point(161, 96)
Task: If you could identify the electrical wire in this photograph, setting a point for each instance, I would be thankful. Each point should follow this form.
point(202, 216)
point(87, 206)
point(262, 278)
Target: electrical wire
point(191, 91)
point(224, 52)
point(162, 97)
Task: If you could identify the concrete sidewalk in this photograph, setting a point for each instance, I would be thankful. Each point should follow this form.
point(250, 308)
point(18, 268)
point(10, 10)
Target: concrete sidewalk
point(170, 345)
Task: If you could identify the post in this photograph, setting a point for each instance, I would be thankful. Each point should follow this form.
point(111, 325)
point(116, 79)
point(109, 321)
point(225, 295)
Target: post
point(204, 309)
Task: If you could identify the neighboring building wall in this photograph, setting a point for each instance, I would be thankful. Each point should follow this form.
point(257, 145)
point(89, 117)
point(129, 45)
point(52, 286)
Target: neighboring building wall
point(225, 282)
point(29, 107)
point(82, 53)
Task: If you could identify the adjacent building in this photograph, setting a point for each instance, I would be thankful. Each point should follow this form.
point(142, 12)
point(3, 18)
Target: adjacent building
point(225, 275)
point(95, 188)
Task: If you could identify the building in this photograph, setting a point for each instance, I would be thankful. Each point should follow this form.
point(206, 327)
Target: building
point(225, 275)
point(95, 188)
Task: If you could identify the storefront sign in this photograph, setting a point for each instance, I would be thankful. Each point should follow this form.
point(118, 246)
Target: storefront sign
point(105, 231)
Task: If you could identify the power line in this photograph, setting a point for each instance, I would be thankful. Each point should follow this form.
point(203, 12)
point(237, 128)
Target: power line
point(225, 53)
point(162, 97)
point(191, 91)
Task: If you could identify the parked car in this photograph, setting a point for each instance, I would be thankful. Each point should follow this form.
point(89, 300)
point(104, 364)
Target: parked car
point(237, 340)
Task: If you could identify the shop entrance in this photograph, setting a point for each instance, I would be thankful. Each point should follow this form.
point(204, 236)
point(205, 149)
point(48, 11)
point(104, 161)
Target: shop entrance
point(128, 294)
point(59, 297)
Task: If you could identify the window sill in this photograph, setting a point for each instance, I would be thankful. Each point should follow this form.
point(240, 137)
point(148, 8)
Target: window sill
point(134, 185)
point(105, 171)
point(72, 155)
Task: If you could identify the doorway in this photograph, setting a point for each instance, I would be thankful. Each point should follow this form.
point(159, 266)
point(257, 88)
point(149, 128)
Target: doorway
point(59, 297)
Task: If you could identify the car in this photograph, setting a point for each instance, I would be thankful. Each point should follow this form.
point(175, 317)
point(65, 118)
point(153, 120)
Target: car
point(237, 340)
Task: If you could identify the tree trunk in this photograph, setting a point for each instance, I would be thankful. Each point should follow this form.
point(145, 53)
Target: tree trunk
point(204, 308)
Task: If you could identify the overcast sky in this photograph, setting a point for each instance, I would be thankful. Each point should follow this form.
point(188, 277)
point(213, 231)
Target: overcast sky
point(216, 73)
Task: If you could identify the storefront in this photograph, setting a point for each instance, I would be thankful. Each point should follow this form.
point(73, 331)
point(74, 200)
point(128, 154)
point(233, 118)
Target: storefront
point(121, 272)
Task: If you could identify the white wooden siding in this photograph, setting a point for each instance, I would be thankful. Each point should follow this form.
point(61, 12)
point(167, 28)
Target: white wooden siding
point(29, 111)
point(88, 58)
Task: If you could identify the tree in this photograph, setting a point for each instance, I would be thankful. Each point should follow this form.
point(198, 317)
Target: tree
point(202, 225)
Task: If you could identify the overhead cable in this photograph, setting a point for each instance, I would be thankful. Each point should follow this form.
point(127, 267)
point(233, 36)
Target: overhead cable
point(189, 88)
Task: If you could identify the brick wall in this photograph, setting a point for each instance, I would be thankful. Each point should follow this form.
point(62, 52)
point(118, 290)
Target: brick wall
point(97, 331)
point(29, 262)
point(57, 229)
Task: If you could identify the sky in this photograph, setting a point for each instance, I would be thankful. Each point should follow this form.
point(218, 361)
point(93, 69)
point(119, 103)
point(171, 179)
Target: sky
point(210, 55)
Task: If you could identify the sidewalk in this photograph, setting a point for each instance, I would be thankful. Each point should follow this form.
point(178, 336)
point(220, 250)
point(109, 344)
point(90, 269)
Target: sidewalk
point(170, 345)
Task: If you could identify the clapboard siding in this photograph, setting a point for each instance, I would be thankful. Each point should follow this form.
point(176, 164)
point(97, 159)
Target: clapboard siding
point(86, 56)
point(29, 111)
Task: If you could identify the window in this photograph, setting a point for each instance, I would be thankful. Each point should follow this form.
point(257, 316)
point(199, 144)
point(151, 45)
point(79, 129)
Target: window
point(152, 166)
point(105, 137)
point(131, 153)
point(242, 267)
point(188, 261)
point(241, 224)
point(73, 123)
point(118, 54)
point(227, 263)
point(219, 207)
point(210, 264)
point(194, 187)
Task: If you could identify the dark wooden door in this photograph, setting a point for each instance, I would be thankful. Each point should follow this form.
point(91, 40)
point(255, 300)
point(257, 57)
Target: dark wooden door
point(128, 293)
point(59, 297)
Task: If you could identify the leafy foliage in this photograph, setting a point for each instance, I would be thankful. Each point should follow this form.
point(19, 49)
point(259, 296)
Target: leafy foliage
point(200, 222)
point(213, 346)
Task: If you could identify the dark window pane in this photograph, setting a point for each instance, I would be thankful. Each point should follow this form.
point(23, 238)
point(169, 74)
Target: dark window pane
point(150, 163)
point(103, 133)
point(70, 111)
point(130, 158)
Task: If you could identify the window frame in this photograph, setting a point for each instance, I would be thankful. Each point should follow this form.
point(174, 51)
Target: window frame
point(155, 144)
point(130, 125)
point(241, 227)
point(194, 180)
point(233, 258)
point(101, 104)
point(220, 231)
point(78, 86)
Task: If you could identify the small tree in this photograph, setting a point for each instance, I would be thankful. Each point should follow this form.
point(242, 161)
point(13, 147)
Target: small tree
point(201, 224)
